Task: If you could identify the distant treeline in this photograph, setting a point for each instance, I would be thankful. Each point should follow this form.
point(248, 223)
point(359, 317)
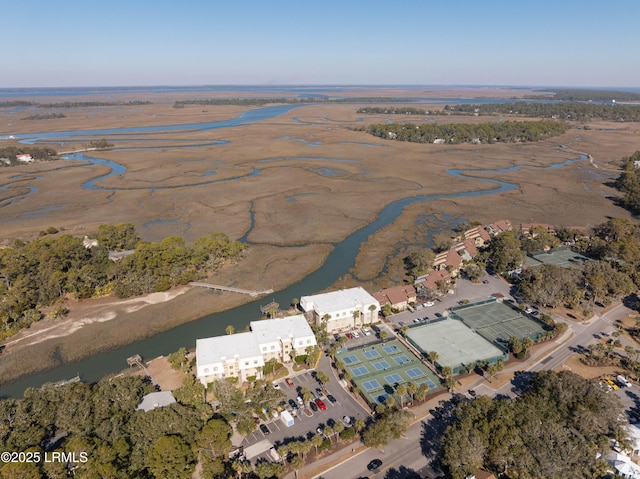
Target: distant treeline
point(100, 144)
point(37, 153)
point(563, 94)
point(47, 270)
point(71, 104)
point(563, 111)
point(629, 183)
point(289, 101)
point(382, 110)
point(508, 131)
point(44, 116)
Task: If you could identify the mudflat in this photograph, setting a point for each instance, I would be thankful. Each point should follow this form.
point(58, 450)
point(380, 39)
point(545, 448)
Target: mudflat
point(292, 185)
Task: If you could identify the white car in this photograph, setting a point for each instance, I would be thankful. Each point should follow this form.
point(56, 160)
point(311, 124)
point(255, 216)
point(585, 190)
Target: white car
point(355, 335)
point(428, 304)
point(366, 332)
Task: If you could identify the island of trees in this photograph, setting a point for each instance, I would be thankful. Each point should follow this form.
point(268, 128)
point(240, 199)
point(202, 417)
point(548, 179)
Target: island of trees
point(564, 110)
point(38, 153)
point(284, 100)
point(42, 273)
point(508, 131)
point(44, 116)
point(570, 94)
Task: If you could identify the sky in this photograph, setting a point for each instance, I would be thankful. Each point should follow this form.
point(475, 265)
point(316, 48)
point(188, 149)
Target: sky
point(350, 42)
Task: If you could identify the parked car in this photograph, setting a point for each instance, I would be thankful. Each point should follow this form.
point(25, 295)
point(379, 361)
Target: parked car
point(355, 334)
point(276, 385)
point(300, 400)
point(375, 464)
point(320, 404)
point(346, 420)
point(313, 406)
point(366, 332)
point(428, 304)
point(319, 392)
point(265, 429)
point(289, 382)
point(331, 399)
point(293, 404)
point(349, 336)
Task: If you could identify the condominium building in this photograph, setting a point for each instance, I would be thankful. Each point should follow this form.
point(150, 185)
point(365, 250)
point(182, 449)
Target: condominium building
point(243, 355)
point(341, 310)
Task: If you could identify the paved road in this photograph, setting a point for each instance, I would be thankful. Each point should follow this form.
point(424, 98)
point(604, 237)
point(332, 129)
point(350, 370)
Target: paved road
point(405, 457)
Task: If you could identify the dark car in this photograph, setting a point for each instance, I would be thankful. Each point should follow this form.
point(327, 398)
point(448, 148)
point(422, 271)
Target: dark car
point(313, 406)
point(319, 392)
point(265, 429)
point(472, 393)
point(321, 404)
point(331, 399)
point(293, 404)
point(375, 464)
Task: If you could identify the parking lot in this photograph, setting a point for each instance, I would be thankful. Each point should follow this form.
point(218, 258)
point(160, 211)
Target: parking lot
point(465, 290)
point(305, 425)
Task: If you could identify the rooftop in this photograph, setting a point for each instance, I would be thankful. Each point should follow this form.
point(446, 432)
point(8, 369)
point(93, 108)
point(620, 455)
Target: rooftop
point(155, 400)
point(217, 348)
point(271, 330)
point(352, 298)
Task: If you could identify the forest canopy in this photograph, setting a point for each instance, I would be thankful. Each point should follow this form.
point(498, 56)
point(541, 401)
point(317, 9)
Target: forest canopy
point(507, 131)
point(44, 272)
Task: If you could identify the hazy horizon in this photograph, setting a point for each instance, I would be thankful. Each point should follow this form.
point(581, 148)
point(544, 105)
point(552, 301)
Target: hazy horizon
point(463, 43)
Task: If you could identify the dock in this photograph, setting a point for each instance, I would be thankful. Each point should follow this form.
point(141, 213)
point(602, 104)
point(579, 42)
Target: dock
point(218, 287)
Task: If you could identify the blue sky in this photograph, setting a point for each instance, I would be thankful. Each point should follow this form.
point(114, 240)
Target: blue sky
point(193, 42)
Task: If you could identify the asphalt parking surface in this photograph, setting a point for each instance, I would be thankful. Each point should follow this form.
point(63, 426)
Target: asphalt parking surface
point(305, 426)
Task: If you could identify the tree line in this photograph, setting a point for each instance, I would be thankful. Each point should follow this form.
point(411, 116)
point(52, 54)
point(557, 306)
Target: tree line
point(508, 131)
point(629, 183)
point(563, 111)
point(71, 104)
point(559, 427)
point(38, 153)
point(44, 116)
point(390, 110)
point(42, 273)
point(578, 94)
point(284, 100)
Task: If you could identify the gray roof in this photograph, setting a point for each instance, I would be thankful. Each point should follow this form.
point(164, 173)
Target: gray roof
point(351, 298)
point(155, 400)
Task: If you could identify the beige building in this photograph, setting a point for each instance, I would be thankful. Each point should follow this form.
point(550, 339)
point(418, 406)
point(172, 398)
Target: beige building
point(341, 310)
point(243, 355)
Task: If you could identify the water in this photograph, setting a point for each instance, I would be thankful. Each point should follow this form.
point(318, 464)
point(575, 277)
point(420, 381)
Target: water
point(338, 264)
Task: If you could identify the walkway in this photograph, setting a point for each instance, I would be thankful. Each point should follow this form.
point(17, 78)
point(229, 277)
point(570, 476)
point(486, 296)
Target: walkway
point(253, 294)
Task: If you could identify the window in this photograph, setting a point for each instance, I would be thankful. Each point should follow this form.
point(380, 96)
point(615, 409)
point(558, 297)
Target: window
point(215, 368)
point(273, 347)
point(255, 361)
point(264, 349)
point(246, 363)
point(206, 370)
point(308, 341)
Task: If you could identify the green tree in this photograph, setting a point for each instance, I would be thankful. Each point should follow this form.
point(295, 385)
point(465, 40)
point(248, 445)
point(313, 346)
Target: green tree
point(297, 463)
point(171, 457)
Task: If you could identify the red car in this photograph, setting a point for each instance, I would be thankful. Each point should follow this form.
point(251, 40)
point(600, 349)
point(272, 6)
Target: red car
point(349, 335)
point(320, 404)
point(289, 382)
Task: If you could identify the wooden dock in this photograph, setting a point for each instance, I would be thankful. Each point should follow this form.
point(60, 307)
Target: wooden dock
point(218, 287)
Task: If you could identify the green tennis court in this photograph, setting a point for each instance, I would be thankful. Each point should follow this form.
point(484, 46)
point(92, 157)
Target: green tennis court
point(377, 369)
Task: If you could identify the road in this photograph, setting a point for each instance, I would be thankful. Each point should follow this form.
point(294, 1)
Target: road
point(404, 458)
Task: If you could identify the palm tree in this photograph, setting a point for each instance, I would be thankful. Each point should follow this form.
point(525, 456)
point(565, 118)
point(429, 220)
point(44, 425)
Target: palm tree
point(411, 389)
point(294, 303)
point(390, 401)
point(356, 316)
point(401, 389)
point(316, 440)
point(372, 308)
point(328, 431)
point(230, 329)
point(337, 429)
point(404, 330)
point(432, 357)
point(297, 463)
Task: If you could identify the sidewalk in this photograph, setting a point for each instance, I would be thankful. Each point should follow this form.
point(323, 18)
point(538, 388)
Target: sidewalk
point(324, 464)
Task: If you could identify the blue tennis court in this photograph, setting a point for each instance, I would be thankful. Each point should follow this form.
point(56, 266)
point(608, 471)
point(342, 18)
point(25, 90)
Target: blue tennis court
point(391, 349)
point(394, 378)
point(429, 383)
point(350, 359)
point(372, 354)
point(380, 365)
point(414, 373)
point(359, 371)
point(401, 359)
point(371, 385)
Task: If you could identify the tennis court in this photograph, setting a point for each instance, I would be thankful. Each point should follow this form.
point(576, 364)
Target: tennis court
point(563, 257)
point(457, 345)
point(376, 369)
point(497, 322)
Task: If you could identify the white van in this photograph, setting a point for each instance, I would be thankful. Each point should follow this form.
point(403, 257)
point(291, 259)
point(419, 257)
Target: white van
point(623, 381)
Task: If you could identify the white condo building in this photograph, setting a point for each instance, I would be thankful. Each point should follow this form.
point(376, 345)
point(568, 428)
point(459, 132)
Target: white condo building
point(342, 310)
point(243, 355)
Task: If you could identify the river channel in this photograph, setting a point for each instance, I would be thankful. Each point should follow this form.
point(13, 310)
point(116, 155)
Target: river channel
point(338, 263)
